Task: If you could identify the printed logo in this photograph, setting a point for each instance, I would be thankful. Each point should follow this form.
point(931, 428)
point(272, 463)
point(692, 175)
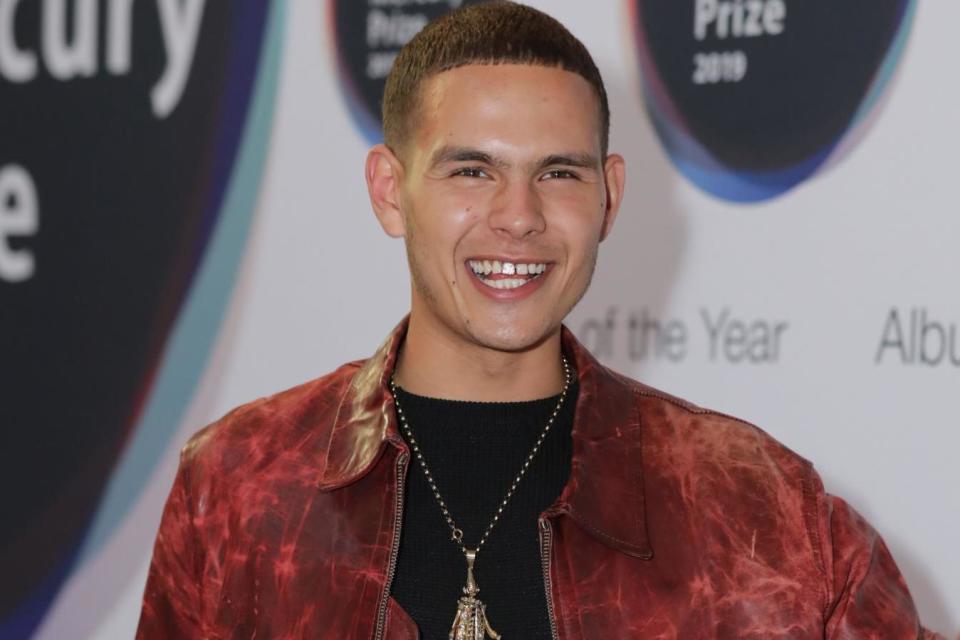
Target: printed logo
point(752, 97)
point(368, 34)
point(121, 125)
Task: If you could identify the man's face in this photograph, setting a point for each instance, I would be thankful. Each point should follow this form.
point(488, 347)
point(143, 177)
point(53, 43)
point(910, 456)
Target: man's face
point(503, 199)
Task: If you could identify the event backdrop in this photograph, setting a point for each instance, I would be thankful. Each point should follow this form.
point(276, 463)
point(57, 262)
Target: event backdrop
point(184, 227)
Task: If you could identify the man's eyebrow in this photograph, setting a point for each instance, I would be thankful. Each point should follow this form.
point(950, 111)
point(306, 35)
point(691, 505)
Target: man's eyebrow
point(469, 154)
point(463, 154)
point(581, 160)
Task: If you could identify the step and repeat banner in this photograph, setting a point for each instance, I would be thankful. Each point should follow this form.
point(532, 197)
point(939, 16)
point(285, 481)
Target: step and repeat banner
point(184, 227)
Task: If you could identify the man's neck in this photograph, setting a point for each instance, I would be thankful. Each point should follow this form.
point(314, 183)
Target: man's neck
point(435, 364)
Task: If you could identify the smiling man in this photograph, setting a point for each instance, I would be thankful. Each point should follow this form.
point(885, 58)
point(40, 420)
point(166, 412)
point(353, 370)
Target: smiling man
point(482, 475)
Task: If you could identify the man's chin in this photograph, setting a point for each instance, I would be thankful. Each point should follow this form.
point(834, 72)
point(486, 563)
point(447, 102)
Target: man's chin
point(512, 338)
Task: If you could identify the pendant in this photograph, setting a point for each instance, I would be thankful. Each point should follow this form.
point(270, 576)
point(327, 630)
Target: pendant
point(471, 621)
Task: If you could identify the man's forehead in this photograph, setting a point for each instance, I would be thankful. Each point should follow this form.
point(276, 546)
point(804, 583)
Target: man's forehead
point(470, 105)
point(494, 75)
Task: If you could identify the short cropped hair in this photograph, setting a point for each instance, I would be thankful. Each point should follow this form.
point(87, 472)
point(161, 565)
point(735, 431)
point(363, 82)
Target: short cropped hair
point(496, 32)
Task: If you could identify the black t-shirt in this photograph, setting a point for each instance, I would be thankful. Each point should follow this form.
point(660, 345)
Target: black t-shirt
point(474, 451)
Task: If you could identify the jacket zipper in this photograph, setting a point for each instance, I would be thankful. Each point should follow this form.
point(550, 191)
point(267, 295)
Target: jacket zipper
point(546, 538)
point(395, 546)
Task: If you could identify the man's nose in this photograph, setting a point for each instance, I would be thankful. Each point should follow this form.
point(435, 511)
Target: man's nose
point(518, 210)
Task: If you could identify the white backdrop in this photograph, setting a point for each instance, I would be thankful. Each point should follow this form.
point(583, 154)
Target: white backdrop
point(829, 261)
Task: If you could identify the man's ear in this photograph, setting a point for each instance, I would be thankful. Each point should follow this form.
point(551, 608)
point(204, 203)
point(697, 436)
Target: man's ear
point(614, 177)
point(384, 172)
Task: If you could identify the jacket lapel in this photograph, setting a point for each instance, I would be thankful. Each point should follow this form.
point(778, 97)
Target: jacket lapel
point(604, 494)
point(365, 420)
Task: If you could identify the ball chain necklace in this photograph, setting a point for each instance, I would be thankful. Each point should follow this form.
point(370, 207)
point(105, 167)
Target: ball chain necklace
point(471, 622)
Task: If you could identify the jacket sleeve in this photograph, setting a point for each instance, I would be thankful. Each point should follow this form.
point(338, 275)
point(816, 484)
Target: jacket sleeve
point(172, 600)
point(867, 596)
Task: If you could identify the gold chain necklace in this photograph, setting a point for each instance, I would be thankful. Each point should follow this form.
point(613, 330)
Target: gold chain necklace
point(471, 622)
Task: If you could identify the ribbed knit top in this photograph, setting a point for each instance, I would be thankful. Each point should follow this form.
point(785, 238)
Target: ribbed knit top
point(475, 450)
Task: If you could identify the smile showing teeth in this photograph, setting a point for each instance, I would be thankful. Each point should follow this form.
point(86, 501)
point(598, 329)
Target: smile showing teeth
point(484, 268)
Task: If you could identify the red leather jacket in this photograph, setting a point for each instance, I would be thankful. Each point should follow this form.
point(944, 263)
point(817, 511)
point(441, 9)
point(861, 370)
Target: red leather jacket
point(676, 522)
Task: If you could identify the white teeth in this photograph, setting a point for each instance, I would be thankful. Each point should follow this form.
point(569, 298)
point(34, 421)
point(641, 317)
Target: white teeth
point(487, 267)
point(506, 283)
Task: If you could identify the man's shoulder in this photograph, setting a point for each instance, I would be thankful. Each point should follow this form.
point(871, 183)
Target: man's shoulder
point(675, 429)
point(254, 434)
point(721, 475)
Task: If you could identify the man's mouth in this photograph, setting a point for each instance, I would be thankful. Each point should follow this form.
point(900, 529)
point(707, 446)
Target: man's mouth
point(500, 274)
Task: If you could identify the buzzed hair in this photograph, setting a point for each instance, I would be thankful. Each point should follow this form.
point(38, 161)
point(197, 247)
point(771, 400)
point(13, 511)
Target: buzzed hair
point(497, 32)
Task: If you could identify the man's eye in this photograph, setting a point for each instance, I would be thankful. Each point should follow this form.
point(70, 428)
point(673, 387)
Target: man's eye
point(559, 173)
point(470, 172)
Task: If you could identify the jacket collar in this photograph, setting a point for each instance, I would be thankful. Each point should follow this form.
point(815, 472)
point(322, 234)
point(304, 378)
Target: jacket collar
point(604, 493)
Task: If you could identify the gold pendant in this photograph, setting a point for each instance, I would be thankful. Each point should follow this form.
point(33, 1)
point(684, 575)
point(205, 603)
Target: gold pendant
point(471, 621)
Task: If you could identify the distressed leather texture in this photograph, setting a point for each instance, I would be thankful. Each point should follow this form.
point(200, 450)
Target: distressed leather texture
point(676, 522)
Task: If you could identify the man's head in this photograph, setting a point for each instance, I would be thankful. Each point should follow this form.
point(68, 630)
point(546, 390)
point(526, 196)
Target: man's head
point(499, 163)
point(491, 33)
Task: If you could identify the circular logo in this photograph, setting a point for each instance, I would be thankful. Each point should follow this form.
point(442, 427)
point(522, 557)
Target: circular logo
point(752, 97)
point(368, 35)
point(121, 136)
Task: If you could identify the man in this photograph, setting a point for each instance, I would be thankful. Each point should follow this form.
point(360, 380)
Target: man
point(482, 475)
